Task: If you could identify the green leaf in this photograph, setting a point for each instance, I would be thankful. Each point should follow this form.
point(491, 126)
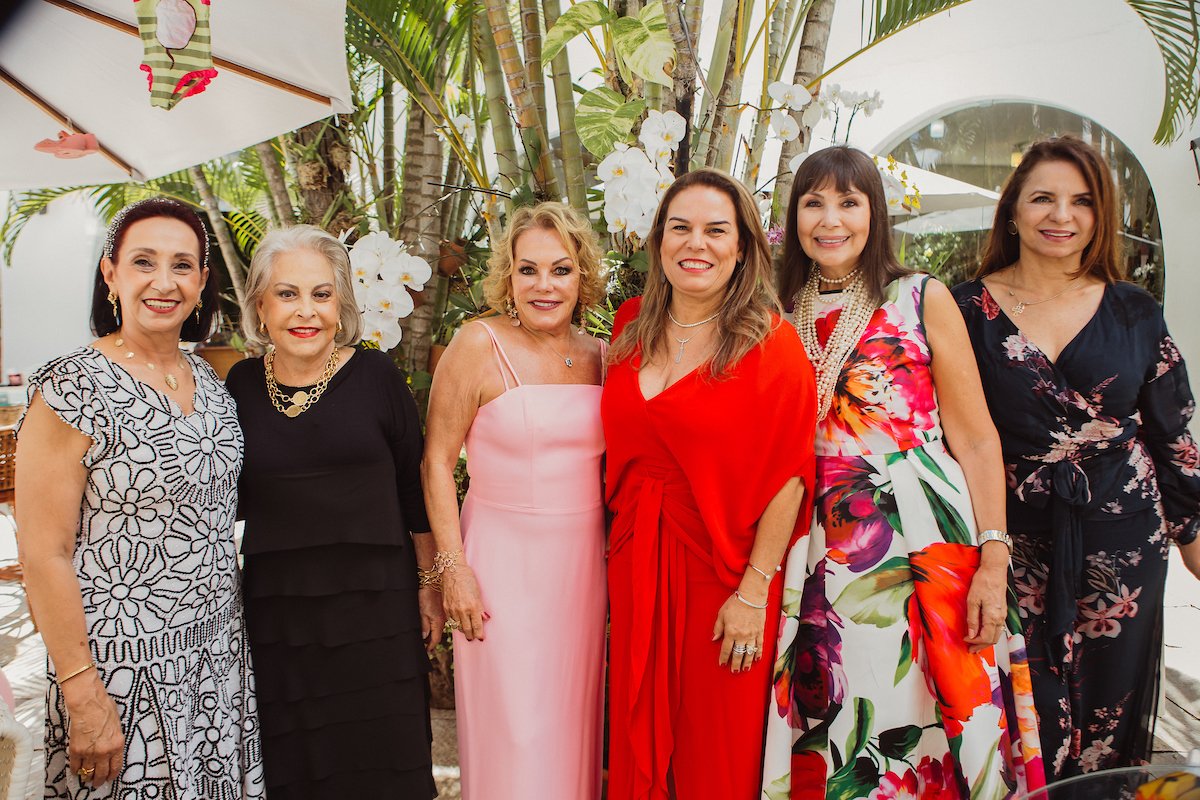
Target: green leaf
point(854, 780)
point(640, 261)
point(950, 523)
point(574, 21)
point(932, 466)
point(1175, 25)
point(864, 714)
point(604, 118)
point(878, 598)
point(644, 42)
point(906, 659)
point(897, 743)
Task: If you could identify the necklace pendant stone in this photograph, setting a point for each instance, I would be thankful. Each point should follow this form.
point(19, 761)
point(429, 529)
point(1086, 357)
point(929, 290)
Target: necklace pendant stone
point(1019, 308)
point(293, 411)
point(172, 382)
point(569, 362)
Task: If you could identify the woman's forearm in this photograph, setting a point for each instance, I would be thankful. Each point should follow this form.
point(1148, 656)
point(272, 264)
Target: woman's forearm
point(771, 540)
point(982, 465)
point(441, 503)
point(57, 603)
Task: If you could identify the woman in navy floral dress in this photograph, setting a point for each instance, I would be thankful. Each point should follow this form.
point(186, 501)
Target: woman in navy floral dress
point(1092, 402)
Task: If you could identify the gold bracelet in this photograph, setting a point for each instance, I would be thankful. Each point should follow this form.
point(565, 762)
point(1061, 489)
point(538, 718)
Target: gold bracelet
point(429, 577)
point(80, 671)
point(446, 560)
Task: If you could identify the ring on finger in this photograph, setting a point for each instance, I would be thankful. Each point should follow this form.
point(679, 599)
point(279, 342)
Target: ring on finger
point(85, 772)
point(740, 649)
point(453, 624)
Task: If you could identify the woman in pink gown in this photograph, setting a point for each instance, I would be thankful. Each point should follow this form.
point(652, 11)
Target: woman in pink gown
point(522, 569)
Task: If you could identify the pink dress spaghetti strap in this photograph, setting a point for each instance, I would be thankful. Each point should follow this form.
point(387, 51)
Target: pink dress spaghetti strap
point(530, 695)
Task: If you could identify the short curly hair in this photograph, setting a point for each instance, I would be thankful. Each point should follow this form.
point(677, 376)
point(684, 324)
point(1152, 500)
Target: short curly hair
point(577, 236)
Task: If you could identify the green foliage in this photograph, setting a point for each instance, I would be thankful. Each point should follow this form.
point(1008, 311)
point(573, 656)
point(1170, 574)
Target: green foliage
point(1175, 25)
point(574, 21)
point(880, 597)
point(408, 39)
point(605, 117)
point(644, 43)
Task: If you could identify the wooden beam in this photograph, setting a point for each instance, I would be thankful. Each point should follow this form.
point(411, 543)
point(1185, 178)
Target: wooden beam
point(60, 117)
point(237, 69)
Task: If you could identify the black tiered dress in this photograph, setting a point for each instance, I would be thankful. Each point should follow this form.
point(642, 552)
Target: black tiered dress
point(330, 498)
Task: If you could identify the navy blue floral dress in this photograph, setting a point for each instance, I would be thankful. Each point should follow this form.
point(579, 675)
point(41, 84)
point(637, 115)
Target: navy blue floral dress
point(1102, 476)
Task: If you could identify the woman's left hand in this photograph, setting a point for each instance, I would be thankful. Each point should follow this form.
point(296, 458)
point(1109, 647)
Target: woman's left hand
point(433, 616)
point(986, 605)
point(739, 625)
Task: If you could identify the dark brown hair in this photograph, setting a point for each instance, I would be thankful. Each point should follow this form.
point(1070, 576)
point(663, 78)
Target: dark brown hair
point(847, 170)
point(1102, 255)
point(746, 312)
point(104, 321)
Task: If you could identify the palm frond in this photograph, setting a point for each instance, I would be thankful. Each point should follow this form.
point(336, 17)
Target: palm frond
point(888, 18)
point(409, 39)
point(248, 228)
point(1175, 25)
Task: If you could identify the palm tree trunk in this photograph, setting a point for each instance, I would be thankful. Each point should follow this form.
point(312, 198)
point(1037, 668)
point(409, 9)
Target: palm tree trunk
point(716, 80)
point(389, 153)
point(564, 100)
point(280, 204)
point(683, 93)
point(809, 64)
point(533, 133)
point(323, 159)
point(508, 161)
point(531, 45)
point(758, 136)
point(724, 117)
point(420, 227)
point(229, 253)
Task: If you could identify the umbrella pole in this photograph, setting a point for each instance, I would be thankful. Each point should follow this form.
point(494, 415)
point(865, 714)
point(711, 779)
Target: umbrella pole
point(237, 69)
point(61, 118)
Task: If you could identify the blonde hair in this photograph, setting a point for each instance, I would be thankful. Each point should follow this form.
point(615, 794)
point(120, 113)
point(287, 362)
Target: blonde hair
point(576, 235)
point(286, 240)
point(747, 312)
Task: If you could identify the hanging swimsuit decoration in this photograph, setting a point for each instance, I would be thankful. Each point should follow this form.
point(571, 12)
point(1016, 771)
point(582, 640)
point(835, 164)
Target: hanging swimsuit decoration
point(178, 48)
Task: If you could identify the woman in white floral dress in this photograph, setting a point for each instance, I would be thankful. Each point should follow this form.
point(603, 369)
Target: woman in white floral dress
point(130, 453)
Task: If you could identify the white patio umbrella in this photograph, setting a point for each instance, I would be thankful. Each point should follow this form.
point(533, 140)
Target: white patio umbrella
point(74, 66)
point(955, 221)
point(941, 193)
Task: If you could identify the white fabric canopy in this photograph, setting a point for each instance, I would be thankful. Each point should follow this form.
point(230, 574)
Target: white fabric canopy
point(88, 71)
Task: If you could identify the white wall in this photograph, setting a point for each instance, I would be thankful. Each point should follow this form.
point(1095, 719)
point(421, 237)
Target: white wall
point(46, 292)
point(1093, 57)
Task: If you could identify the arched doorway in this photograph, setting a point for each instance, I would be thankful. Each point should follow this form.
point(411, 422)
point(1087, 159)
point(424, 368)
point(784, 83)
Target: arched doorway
point(982, 143)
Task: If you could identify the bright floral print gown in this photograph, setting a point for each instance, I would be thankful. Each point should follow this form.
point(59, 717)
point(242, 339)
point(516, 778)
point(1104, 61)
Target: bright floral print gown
point(875, 693)
point(1103, 474)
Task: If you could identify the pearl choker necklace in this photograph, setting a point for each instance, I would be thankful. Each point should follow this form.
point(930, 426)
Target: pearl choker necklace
point(836, 281)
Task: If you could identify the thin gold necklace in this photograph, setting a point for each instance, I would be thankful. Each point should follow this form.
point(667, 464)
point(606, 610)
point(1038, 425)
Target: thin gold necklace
point(171, 381)
point(300, 401)
point(1021, 305)
point(566, 359)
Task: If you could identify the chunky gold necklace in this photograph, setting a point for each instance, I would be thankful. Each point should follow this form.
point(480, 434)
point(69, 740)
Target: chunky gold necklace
point(171, 380)
point(829, 360)
point(298, 402)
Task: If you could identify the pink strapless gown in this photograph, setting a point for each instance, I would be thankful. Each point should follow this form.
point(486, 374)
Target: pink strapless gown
point(530, 697)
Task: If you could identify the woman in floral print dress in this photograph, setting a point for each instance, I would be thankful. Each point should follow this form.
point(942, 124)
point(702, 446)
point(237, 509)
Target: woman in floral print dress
point(1092, 402)
point(895, 678)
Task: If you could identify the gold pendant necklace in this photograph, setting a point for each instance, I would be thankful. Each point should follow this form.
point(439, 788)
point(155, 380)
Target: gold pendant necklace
point(171, 381)
point(300, 401)
point(1021, 305)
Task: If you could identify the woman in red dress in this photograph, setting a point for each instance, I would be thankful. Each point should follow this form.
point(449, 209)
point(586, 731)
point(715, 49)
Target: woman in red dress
point(709, 429)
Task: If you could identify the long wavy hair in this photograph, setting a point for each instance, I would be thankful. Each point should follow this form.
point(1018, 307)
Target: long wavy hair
point(1102, 255)
point(845, 169)
point(747, 312)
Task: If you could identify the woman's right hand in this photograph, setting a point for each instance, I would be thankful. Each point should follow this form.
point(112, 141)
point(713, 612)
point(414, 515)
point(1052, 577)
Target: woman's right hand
point(94, 738)
point(462, 601)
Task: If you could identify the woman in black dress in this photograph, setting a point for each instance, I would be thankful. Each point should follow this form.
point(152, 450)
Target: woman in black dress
point(1091, 399)
point(335, 531)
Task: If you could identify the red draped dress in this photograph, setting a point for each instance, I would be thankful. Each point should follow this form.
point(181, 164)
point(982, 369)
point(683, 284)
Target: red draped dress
point(689, 474)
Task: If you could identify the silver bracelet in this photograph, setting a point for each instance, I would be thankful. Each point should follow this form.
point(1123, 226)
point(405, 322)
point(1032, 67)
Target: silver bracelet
point(738, 595)
point(993, 535)
point(766, 577)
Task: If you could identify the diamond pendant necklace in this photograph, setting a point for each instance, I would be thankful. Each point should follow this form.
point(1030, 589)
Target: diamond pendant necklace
point(171, 381)
point(683, 342)
point(1021, 305)
point(567, 358)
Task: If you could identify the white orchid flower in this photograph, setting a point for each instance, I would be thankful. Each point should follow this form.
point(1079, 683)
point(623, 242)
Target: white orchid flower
point(795, 163)
point(409, 270)
point(382, 329)
point(392, 301)
point(812, 115)
point(662, 130)
point(370, 254)
point(793, 95)
point(616, 164)
point(784, 125)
